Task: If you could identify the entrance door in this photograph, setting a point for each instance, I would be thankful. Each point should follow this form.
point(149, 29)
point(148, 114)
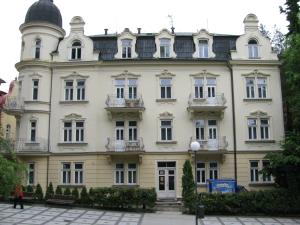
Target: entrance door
point(119, 145)
point(212, 135)
point(166, 180)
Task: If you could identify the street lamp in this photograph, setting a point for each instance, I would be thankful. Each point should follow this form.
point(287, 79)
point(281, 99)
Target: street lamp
point(195, 146)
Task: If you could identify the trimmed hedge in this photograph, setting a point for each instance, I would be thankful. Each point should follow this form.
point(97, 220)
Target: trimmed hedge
point(121, 198)
point(268, 202)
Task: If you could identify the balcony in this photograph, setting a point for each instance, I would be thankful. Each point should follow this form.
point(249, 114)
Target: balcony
point(14, 106)
point(25, 146)
point(211, 146)
point(128, 105)
point(206, 104)
point(125, 146)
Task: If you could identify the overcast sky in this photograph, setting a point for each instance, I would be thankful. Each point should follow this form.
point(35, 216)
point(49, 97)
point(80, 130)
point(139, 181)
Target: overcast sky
point(218, 16)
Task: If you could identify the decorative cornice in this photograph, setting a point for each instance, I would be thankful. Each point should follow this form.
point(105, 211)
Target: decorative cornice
point(166, 115)
point(165, 73)
point(255, 62)
point(35, 75)
point(256, 73)
point(258, 113)
point(126, 74)
point(74, 75)
point(73, 116)
point(204, 73)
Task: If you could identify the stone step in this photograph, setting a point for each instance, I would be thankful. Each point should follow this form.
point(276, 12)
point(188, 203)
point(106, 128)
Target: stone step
point(168, 206)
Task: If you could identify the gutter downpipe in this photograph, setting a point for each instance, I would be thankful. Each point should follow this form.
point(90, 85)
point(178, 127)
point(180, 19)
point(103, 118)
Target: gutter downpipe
point(49, 119)
point(233, 119)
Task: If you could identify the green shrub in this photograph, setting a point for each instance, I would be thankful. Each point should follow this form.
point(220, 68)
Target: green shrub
point(268, 202)
point(75, 193)
point(58, 190)
point(188, 187)
point(39, 192)
point(29, 189)
point(49, 191)
point(84, 197)
point(67, 191)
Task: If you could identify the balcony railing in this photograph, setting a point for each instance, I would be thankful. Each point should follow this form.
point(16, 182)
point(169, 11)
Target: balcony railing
point(211, 145)
point(129, 101)
point(205, 103)
point(14, 105)
point(128, 146)
point(23, 145)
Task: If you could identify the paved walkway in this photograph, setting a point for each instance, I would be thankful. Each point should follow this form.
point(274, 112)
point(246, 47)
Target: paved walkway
point(32, 215)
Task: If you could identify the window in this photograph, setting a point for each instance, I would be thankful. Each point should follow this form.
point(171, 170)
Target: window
point(250, 87)
point(264, 129)
point(132, 88)
point(203, 48)
point(165, 88)
point(165, 47)
point(119, 176)
point(166, 130)
point(80, 90)
point(252, 124)
point(200, 130)
point(8, 131)
point(253, 49)
point(132, 173)
point(126, 48)
point(213, 170)
point(76, 50)
point(78, 173)
point(120, 85)
point(66, 173)
point(68, 90)
point(201, 178)
point(132, 131)
point(33, 130)
point(199, 83)
point(35, 89)
point(67, 131)
point(262, 87)
point(37, 48)
point(266, 178)
point(254, 171)
point(79, 131)
point(30, 174)
point(211, 87)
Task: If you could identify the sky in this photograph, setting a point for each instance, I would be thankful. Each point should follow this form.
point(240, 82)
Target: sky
point(217, 16)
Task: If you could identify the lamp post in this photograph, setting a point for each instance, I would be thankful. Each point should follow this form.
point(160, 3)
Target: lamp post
point(195, 146)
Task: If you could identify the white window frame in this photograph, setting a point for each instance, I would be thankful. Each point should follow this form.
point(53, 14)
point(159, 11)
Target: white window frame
point(80, 92)
point(132, 88)
point(33, 129)
point(67, 172)
point(8, 131)
point(76, 50)
point(31, 171)
point(132, 131)
point(213, 171)
point(79, 131)
point(252, 129)
point(199, 88)
point(255, 171)
point(201, 173)
point(253, 50)
point(69, 90)
point(37, 52)
point(78, 173)
point(266, 178)
point(126, 48)
point(67, 132)
point(203, 48)
point(167, 129)
point(200, 126)
point(35, 89)
point(264, 129)
point(165, 85)
point(119, 174)
point(164, 47)
point(132, 173)
point(250, 87)
point(262, 87)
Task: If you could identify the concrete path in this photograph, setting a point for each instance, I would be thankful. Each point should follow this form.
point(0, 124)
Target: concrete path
point(32, 215)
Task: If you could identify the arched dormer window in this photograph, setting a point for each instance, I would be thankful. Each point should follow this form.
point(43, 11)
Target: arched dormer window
point(165, 45)
point(126, 48)
point(203, 49)
point(37, 48)
point(253, 49)
point(76, 50)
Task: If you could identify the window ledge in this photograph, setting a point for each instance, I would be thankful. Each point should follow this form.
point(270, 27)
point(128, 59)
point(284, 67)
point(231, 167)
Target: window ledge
point(72, 144)
point(71, 185)
point(261, 184)
point(74, 102)
point(32, 143)
point(201, 185)
point(257, 99)
point(166, 142)
point(36, 102)
point(166, 100)
point(259, 141)
point(126, 185)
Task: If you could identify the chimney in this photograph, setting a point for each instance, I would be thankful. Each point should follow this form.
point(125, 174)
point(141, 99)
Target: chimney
point(105, 31)
point(172, 28)
point(139, 30)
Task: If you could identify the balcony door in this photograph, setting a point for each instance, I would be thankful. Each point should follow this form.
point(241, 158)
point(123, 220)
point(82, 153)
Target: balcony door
point(211, 90)
point(119, 144)
point(212, 135)
point(166, 180)
point(120, 95)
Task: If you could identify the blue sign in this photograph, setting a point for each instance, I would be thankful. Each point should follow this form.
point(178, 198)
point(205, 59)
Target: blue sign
point(222, 186)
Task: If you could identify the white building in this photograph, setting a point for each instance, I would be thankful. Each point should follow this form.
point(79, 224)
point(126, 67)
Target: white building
point(122, 109)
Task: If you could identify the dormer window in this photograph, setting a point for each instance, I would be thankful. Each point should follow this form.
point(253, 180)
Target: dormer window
point(203, 49)
point(76, 50)
point(165, 48)
point(37, 48)
point(253, 49)
point(126, 48)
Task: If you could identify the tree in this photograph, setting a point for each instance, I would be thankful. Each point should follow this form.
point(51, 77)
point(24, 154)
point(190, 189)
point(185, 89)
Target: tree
point(292, 15)
point(67, 191)
point(75, 193)
point(58, 190)
point(84, 197)
point(39, 192)
point(49, 191)
point(188, 187)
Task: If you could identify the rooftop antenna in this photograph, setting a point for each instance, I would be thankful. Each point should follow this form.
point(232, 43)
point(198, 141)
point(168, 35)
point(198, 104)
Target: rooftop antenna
point(207, 24)
point(171, 20)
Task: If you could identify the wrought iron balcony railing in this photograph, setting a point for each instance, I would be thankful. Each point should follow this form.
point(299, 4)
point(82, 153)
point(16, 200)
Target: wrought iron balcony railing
point(211, 144)
point(114, 145)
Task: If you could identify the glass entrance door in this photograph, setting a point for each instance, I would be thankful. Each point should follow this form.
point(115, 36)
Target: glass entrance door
point(166, 180)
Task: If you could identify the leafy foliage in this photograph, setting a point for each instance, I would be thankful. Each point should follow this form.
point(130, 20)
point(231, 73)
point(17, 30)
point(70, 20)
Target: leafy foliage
point(58, 190)
point(75, 193)
point(29, 188)
point(67, 191)
point(39, 195)
point(188, 186)
point(84, 197)
point(49, 191)
point(292, 15)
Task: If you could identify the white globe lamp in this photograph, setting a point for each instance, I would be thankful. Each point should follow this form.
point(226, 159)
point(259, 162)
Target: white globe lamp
point(195, 146)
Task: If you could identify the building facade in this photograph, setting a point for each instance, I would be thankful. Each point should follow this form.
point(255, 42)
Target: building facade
point(122, 109)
